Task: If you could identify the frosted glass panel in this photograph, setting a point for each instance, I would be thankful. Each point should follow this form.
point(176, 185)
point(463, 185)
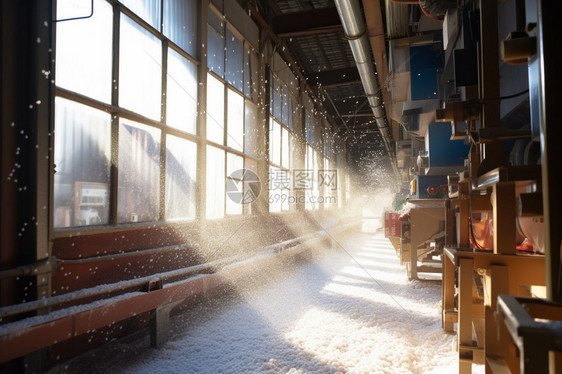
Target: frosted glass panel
point(275, 190)
point(285, 150)
point(233, 163)
point(180, 23)
point(275, 143)
point(181, 111)
point(235, 124)
point(148, 10)
point(234, 61)
point(215, 183)
point(83, 54)
point(139, 172)
point(309, 128)
point(284, 105)
point(251, 128)
point(215, 52)
point(140, 70)
point(181, 171)
point(82, 159)
point(215, 110)
point(247, 74)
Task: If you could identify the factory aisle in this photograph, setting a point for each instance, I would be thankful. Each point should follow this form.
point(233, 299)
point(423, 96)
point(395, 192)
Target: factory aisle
point(352, 310)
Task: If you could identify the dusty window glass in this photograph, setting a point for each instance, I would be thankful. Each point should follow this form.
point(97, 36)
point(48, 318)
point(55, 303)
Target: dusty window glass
point(235, 124)
point(234, 163)
point(181, 97)
point(285, 150)
point(275, 143)
point(251, 127)
point(284, 105)
point(180, 23)
point(252, 165)
point(181, 173)
point(148, 10)
point(311, 192)
point(276, 99)
point(82, 162)
point(248, 73)
point(83, 54)
point(234, 60)
point(275, 191)
point(216, 183)
point(215, 110)
point(309, 128)
point(140, 70)
point(139, 172)
point(215, 51)
point(254, 74)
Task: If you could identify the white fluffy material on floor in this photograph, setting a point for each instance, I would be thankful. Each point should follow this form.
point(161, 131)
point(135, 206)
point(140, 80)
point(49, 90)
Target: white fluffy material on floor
point(352, 310)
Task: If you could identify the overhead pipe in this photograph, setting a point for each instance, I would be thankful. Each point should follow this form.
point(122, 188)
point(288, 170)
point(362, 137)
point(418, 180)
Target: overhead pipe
point(355, 32)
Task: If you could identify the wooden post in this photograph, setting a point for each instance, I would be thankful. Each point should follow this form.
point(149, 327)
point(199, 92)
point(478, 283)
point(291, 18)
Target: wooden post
point(465, 315)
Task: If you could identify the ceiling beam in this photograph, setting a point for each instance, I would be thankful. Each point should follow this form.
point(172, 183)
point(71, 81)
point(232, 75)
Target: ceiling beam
point(334, 78)
point(306, 22)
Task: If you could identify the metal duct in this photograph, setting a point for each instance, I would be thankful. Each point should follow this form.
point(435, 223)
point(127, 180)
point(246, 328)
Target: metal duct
point(355, 32)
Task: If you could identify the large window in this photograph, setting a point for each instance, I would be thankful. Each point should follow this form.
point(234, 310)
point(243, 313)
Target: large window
point(82, 160)
point(280, 147)
point(153, 97)
point(232, 127)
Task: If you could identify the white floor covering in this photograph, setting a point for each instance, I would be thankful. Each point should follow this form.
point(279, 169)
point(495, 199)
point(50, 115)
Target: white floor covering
point(352, 310)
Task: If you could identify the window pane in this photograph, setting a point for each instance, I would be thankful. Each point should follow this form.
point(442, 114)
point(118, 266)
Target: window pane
point(251, 129)
point(139, 172)
point(247, 74)
point(234, 60)
point(276, 97)
point(309, 128)
point(233, 163)
point(181, 110)
point(140, 70)
point(148, 10)
point(275, 191)
point(181, 172)
point(215, 182)
point(251, 165)
point(254, 74)
point(215, 52)
point(284, 105)
point(83, 54)
point(292, 112)
point(275, 143)
point(180, 23)
point(285, 150)
point(215, 22)
point(215, 110)
point(235, 124)
point(82, 160)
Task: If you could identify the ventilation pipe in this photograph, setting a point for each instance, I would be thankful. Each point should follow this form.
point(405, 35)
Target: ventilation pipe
point(354, 29)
